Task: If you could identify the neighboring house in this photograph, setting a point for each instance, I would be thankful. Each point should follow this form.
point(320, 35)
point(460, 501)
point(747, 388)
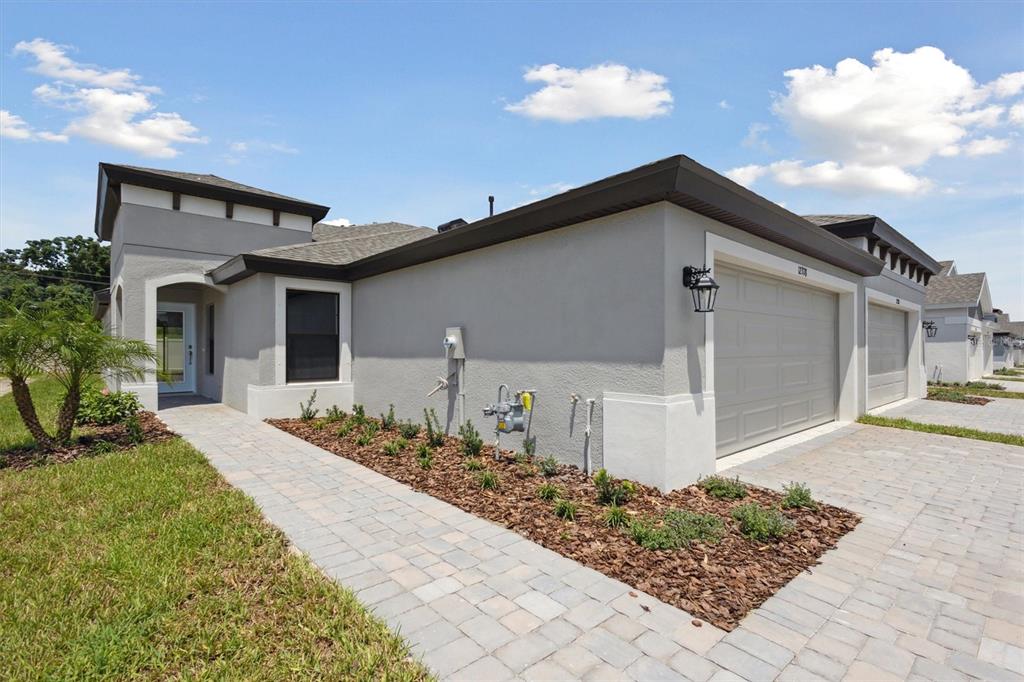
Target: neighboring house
point(1006, 341)
point(960, 306)
point(251, 302)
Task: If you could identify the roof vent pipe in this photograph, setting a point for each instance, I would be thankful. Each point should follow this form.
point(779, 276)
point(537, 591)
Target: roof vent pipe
point(490, 200)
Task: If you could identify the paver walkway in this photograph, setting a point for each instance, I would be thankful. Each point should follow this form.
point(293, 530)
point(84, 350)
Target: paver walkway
point(927, 587)
point(1002, 415)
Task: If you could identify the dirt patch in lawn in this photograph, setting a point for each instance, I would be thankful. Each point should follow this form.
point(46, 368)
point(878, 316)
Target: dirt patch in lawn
point(719, 582)
point(90, 441)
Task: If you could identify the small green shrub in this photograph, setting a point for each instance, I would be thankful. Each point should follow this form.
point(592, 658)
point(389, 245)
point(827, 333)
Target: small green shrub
point(474, 464)
point(723, 488)
point(371, 428)
point(530, 446)
point(472, 443)
point(435, 436)
point(133, 430)
point(798, 496)
point(610, 491)
point(548, 492)
point(358, 414)
point(615, 517)
point(334, 414)
point(426, 461)
point(319, 424)
point(408, 429)
point(423, 450)
point(549, 466)
point(364, 439)
point(523, 458)
point(761, 523)
point(306, 409)
point(488, 480)
point(392, 448)
point(105, 408)
point(985, 384)
point(566, 509)
point(675, 529)
point(344, 430)
point(102, 447)
point(387, 421)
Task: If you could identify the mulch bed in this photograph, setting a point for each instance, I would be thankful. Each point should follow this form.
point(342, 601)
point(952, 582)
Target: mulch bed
point(955, 397)
point(86, 445)
point(718, 582)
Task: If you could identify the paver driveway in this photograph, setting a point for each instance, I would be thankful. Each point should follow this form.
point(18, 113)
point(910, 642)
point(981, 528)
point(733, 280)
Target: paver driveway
point(928, 586)
point(1003, 415)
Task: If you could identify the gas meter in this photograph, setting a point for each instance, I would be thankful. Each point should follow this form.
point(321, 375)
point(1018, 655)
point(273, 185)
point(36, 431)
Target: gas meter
point(509, 412)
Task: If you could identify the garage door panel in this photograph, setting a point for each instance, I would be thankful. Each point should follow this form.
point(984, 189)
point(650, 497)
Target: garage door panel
point(887, 355)
point(780, 377)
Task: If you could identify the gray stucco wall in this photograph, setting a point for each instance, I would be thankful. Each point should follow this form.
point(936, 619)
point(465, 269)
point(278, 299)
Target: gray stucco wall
point(246, 322)
point(576, 310)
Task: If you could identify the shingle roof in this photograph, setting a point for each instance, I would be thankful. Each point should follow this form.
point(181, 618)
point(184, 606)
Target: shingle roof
point(878, 232)
point(370, 239)
point(947, 265)
point(209, 179)
point(322, 232)
point(832, 219)
point(955, 289)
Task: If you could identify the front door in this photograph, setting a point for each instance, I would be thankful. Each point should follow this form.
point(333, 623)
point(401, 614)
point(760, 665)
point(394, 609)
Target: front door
point(175, 347)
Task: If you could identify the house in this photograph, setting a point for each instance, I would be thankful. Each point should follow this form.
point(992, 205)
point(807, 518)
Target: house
point(1006, 341)
point(589, 298)
point(960, 307)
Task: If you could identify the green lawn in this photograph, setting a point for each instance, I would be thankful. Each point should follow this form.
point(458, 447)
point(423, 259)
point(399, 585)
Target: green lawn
point(47, 395)
point(146, 564)
point(903, 423)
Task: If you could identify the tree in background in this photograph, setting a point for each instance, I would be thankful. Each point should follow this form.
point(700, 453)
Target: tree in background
point(45, 268)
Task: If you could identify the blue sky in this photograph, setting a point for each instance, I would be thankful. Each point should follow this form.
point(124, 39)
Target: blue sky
point(416, 112)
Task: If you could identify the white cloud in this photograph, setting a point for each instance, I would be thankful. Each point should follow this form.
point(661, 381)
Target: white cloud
point(110, 106)
point(14, 127)
point(602, 91)
point(238, 151)
point(337, 222)
point(1016, 114)
point(754, 139)
point(747, 175)
point(724, 104)
point(986, 145)
point(551, 190)
point(875, 126)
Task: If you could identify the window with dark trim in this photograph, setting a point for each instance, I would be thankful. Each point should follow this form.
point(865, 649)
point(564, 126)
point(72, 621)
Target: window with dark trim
point(311, 330)
point(209, 339)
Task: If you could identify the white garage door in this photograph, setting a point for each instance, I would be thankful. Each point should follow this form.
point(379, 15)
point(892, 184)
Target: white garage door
point(887, 355)
point(775, 358)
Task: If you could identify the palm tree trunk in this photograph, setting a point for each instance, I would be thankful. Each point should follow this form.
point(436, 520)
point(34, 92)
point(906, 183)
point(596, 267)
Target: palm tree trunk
point(68, 413)
point(27, 412)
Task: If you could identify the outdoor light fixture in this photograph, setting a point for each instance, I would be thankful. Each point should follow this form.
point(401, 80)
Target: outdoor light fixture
point(930, 328)
point(973, 339)
point(703, 288)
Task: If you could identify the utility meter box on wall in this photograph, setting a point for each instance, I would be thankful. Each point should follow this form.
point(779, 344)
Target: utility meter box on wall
point(453, 348)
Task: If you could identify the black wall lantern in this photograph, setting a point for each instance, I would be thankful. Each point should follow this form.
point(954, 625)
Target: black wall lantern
point(973, 338)
point(703, 288)
point(930, 328)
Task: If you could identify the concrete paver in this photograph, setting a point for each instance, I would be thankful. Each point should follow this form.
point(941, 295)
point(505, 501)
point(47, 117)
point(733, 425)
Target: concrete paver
point(1002, 415)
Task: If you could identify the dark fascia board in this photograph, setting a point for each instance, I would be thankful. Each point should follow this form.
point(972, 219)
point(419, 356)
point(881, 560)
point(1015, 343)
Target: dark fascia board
point(677, 179)
point(873, 227)
point(246, 264)
point(108, 195)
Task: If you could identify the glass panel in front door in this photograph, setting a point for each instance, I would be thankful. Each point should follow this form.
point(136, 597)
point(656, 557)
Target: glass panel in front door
point(170, 347)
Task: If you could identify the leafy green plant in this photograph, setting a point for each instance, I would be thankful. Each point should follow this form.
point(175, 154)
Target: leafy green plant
point(548, 492)
point(525, 470)
point(472, 443)
point(358, 414)
point(344, 430)
point(488, 480)
point(408, 429)
point(371, 427)
point(530, 446)
point(611, 491)
point(334, 414)
point(306, 410)
point(102, 407)
point(522, 458)
point(723, 488)
point(423, 450)
point(392, 448)
point(435, 436)
point(761, 523)
point(426, 461)
point(133, 430)
point(798, 496)
point(676, 528)
point(387, 421)
point(615, 517)
point(319, 424)
point(549, 466)
point(102, 447)
point(566, 509)
point(986, 385)
point(364, 438)
point(474, 464)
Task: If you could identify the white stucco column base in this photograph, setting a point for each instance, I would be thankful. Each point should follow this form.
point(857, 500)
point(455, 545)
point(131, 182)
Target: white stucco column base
point(283, 401)
point(663, 441)
point(148, 392)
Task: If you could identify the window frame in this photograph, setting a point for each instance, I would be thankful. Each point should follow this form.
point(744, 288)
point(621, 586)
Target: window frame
point(336, 346)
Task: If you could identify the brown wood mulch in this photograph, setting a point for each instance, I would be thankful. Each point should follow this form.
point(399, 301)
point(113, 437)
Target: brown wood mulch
point(86, 444)
point(718, 582)
point(960, 398)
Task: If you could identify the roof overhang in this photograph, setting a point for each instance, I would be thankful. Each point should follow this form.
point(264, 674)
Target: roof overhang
point(108, 195)
point(879, 232)
point(247, 264)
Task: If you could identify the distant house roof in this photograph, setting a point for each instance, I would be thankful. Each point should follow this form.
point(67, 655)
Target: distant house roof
point(676, 179)
point(335, 247)
point(878, 233)
point(111, 176)
point(946, 267)
point(956, 289)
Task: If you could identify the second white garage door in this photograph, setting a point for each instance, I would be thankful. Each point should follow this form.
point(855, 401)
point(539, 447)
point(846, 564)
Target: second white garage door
point(775, 358)
point(887, 355)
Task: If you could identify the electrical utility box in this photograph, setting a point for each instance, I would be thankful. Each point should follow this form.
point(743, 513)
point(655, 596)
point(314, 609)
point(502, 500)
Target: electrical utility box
point(453, 348)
